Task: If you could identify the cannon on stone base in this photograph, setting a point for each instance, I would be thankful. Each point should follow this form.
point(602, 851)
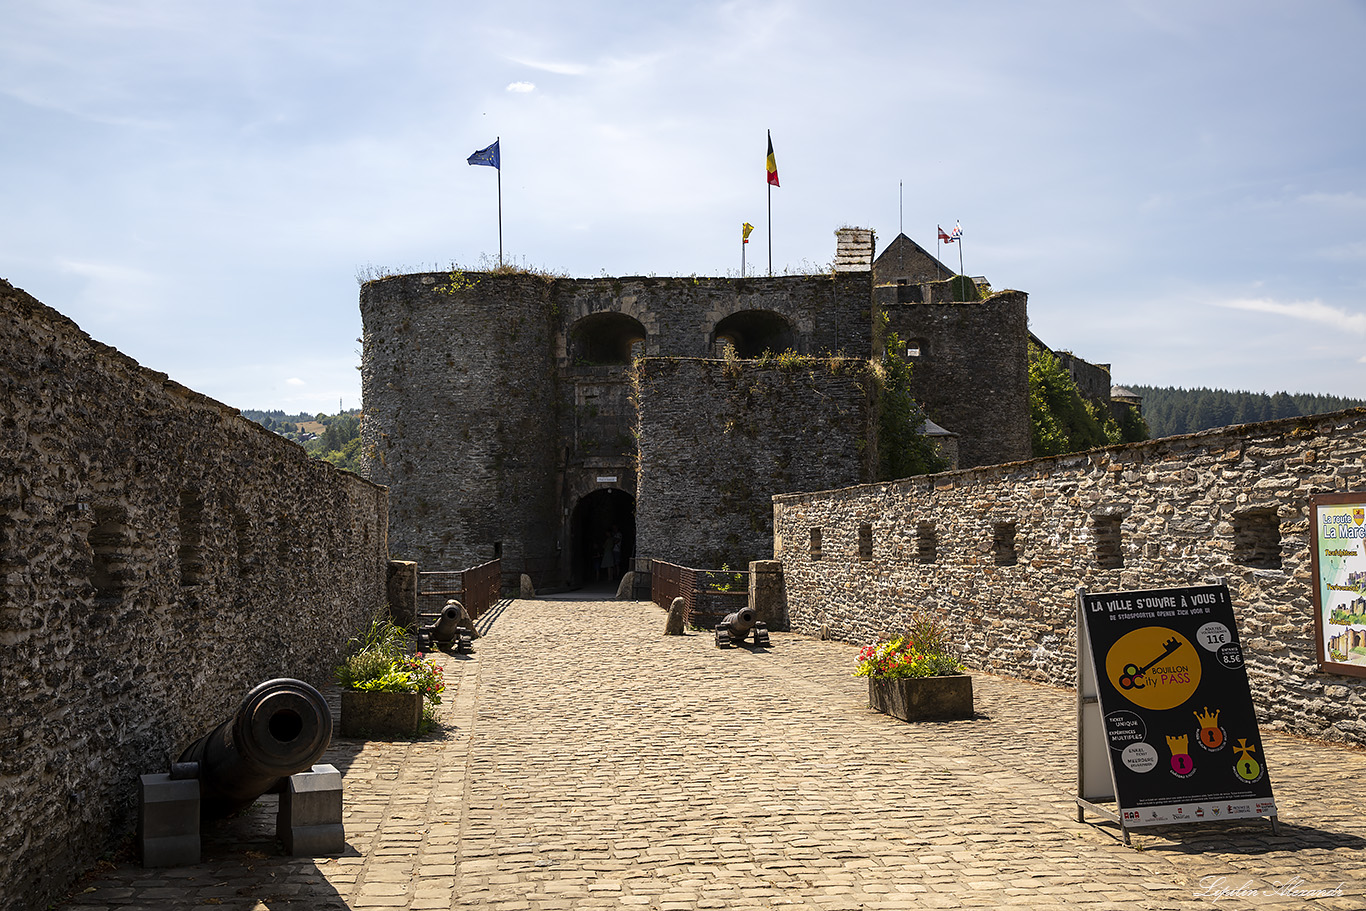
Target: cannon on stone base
point(271, 743)
point(453, 629)
point(736, 627)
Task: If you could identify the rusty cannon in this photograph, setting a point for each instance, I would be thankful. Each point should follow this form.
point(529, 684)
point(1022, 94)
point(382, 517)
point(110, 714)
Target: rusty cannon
point(270, 744)
point(453, 629)
point(736, 627)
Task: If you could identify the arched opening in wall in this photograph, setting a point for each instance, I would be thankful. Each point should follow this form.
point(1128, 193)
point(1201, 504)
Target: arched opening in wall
point(752, 332)
point(605, 339)
point(917, 348)
point(603, 524)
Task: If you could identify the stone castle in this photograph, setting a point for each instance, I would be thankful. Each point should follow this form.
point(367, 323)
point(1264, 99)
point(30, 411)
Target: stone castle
point(524, 417)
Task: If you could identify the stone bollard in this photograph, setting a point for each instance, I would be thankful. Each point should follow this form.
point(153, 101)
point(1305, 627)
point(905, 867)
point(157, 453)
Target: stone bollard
point(673, 626)
point(528, 590)
point(624, 588)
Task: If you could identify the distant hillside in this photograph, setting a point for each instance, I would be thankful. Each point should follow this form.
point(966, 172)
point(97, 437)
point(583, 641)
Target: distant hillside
point(1170, 411)
point(332, 437)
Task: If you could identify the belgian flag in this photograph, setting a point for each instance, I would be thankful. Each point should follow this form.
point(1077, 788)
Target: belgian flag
point(772, 163)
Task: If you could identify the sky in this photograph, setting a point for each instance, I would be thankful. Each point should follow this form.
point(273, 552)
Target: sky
point(1179, 185)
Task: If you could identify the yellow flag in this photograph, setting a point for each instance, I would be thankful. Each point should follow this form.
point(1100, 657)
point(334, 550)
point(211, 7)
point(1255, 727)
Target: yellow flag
point(746, 228)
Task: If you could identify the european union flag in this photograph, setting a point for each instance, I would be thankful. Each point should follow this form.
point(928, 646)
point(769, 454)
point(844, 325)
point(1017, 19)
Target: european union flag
point(487, 156)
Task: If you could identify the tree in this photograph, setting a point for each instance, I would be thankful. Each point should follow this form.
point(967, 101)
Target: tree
point(903, 447)
point(1060, 419)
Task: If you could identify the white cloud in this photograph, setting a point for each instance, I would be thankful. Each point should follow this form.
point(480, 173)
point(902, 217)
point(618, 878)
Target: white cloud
point(522, 87)
point(1312, 311)
point(295, 381)
point(559, 69)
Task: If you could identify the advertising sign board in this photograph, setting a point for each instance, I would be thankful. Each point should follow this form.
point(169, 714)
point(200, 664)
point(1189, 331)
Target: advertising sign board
point(1174, 705)
point(1339, 529)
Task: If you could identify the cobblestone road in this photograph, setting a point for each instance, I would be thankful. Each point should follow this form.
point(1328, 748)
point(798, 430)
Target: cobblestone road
point(587, 762)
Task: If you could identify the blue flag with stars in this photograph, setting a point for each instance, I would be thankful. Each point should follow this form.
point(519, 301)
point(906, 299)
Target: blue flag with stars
point(487, 156)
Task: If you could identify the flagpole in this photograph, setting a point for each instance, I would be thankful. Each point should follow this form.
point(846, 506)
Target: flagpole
point(900, 208)
point(499, 169)
point(770, 230)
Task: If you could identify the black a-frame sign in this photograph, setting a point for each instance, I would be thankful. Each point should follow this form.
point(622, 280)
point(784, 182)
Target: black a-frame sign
point(1166, 732)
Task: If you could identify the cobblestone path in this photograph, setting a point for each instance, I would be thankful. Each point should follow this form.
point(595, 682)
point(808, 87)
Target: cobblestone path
point(589, 762)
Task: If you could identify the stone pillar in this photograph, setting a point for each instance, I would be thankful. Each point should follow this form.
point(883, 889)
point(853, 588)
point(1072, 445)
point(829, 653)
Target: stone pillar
point(402, 592)
point(309, 820)
point(767, 594)
point(168, 820)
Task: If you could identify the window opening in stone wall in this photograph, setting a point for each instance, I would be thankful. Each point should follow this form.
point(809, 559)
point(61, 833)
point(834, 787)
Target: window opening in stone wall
point(246, 550)
point(917, 347)
point(1003, 544)
point(109, 538)
point(926, 543)
point(190, 553)
point(1109, 544)
point(753, 332)
point(497, 550)
point(865, 542)
point(603, 339)
point(815, 543)
point(1257, 539)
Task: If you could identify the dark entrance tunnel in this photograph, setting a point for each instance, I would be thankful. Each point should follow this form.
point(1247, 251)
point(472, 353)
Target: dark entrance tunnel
point(600, 520)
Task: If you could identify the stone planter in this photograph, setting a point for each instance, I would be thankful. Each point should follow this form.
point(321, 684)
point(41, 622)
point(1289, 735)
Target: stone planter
point(368, 714)
point(922, 698)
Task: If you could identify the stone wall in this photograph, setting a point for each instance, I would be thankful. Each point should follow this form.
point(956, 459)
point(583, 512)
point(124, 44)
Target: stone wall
point(497, 405)
point(719, 438)
point(462, 417)
point(970, 367)
point(1093, 380)
point(999, 552)
point(159, 555)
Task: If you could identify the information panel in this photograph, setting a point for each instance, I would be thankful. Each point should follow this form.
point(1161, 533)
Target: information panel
point(1177, 713)
point(1339, 528)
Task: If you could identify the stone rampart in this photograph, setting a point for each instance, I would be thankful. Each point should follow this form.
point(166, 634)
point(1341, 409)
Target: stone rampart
point(999, 553)
point(719, 438)
point(969, 369)
point(159, 556)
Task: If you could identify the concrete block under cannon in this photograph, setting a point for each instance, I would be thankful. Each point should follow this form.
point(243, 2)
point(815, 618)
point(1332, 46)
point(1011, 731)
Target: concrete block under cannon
point(271, 743)
point(734, 628)
point(453, 629)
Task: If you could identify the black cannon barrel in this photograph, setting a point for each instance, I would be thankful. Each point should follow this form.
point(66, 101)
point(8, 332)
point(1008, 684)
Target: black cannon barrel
point(282, 727)
point(740, 622)
point(447, 626)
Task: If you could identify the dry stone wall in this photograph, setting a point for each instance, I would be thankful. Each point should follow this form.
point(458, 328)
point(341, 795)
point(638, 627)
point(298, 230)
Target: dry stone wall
point(999, 553)
point(159, 556)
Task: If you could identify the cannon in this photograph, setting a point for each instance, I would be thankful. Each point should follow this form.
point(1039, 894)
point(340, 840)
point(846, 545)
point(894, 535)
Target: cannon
point(452, 629)
point(282, 727)
point(271, 743)
point(737, 626)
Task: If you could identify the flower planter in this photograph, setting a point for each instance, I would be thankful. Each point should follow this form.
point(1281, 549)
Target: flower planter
point(922, 698)
point(365, 713)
